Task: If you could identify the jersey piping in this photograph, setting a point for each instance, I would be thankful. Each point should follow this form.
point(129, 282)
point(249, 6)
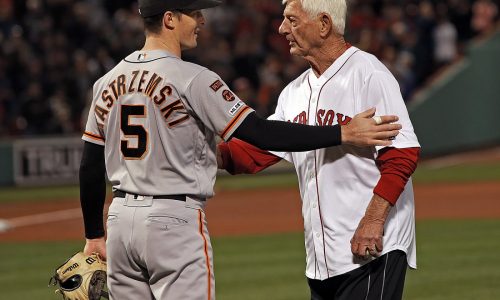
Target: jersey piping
point(207, 258)
point(93, 136)
point(316, 268)
point(233, 122)
point(320, 213)
point(146, 61)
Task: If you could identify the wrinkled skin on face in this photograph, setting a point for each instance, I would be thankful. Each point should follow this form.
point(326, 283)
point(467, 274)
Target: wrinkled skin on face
point(300, 29)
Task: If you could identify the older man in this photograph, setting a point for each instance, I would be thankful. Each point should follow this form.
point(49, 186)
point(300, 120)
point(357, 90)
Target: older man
point(358, 204)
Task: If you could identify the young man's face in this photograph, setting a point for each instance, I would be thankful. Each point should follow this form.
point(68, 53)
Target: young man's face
point(300, 30)
point(190, 25)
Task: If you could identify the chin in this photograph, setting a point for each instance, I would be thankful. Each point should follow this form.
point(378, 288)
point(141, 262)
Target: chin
point(194, 43)
point(189, 46)
point(295, 51)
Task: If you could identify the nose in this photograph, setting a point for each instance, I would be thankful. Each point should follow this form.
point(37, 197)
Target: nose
point(284, 28)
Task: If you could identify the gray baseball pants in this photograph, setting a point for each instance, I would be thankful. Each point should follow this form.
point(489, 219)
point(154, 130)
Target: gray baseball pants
point(159, 249)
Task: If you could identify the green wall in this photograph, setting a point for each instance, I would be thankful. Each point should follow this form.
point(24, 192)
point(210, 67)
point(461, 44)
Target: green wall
point(462, 110)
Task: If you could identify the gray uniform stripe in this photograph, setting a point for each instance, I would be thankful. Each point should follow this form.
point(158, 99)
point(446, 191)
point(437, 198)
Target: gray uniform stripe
point(383, 280)
point(368, 288)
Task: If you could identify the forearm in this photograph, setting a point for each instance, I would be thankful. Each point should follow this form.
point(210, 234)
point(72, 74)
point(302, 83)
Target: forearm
point(239, 157)
point(93, 189)
point(378, 209)
point(285, 136)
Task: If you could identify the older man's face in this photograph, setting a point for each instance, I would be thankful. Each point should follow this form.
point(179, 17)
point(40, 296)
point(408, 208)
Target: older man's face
point(302, 32)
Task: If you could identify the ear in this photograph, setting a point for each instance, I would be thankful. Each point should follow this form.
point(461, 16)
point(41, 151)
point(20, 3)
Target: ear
point(326, 25)
point(169, 20)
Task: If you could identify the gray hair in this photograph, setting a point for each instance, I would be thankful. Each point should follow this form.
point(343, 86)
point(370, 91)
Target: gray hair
point(337, 9)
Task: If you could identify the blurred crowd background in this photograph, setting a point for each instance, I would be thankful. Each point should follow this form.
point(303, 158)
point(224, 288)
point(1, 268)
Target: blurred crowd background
point(52, 51)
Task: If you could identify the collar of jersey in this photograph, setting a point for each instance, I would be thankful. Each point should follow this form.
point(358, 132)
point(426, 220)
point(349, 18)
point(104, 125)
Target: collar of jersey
point(333, 69)
point(151, 55)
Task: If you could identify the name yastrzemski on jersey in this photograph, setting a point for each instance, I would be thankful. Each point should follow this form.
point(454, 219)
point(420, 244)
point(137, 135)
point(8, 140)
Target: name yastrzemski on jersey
point(324, 117)
point(141, 81)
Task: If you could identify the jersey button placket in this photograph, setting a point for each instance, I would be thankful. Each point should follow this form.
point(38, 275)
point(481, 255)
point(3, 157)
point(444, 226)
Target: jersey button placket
point(316, 222)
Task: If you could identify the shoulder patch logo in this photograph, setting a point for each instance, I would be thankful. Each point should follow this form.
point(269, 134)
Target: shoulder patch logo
point(228, 96)
point(216, 85)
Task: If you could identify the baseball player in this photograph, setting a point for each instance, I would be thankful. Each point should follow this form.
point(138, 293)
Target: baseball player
point(152, 128)
point(357, 203)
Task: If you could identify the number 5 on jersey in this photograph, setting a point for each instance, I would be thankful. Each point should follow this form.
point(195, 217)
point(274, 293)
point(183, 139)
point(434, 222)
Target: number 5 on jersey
point(133, 131)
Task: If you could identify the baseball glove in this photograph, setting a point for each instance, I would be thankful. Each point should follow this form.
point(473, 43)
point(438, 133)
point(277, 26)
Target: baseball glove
point(81, 277)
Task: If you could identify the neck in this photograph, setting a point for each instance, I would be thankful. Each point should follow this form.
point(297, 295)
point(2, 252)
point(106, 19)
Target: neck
point(155, 42)
point(321, 59)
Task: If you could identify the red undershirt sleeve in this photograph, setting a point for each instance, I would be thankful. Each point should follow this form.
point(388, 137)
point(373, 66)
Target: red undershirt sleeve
point(240, 157)
point(396, 166)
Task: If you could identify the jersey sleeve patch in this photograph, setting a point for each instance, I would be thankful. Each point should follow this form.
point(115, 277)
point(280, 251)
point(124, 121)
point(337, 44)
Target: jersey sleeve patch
point(228, 96)
point(235, 122)
point(216, 86)
point(236, 107)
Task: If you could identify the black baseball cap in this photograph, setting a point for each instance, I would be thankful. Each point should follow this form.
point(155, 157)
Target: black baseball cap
point(149, 8)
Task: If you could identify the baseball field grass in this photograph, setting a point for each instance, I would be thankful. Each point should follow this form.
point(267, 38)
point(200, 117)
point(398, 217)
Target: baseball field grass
point(457, 260)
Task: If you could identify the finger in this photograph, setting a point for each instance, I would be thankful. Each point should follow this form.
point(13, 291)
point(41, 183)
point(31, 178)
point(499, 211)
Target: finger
point(367, 113)
point(379, 245)
point(377, 119)
point(374, 253)
point(363, 251)
point(366, 253)
point(388, 119)
point(354, 247)
point(388, 127)
point(375, 142)
point(358, 250)
point(385, 135)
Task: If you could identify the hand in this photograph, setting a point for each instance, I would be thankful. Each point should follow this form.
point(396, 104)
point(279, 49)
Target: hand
point(95, 246)
point(363, 131)
point(367, 239)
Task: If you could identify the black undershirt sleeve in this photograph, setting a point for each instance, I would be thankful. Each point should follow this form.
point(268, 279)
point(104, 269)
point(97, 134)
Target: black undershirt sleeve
point(286, 136)
point(93, 189)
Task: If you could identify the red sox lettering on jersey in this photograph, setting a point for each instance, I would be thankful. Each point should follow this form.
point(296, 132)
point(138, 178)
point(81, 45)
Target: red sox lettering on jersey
point(324, 117)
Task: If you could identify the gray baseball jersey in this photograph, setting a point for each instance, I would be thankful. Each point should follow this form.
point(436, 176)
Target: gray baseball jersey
point(158, 116)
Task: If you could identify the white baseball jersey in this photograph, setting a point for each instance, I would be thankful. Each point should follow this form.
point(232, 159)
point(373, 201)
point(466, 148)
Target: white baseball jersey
point(336, 184)
point(157, 117)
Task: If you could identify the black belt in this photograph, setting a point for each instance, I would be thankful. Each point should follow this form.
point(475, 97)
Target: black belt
point(122, 194)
